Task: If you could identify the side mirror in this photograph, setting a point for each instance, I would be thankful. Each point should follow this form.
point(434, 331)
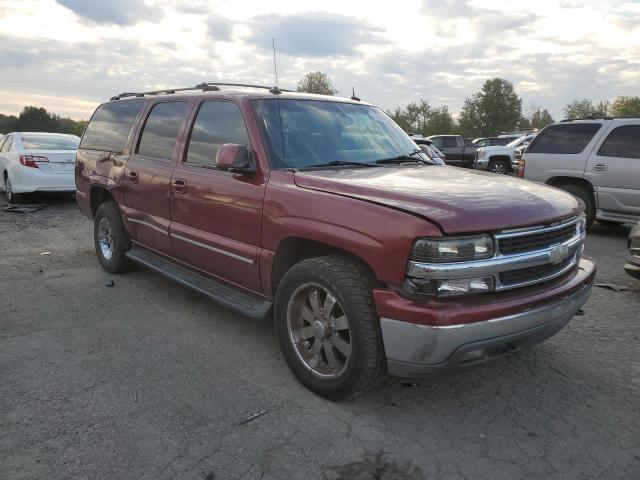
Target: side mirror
point(234, 158)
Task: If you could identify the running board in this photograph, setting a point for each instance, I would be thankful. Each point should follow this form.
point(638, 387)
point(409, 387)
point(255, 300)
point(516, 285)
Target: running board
point(227, 296)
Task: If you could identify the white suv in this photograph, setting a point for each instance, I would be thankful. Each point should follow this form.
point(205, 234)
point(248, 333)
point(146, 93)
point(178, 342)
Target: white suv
point(597, 160)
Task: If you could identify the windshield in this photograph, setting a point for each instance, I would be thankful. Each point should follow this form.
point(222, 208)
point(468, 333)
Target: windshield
point(516, 142)
point(49, 142)
point(305, 133)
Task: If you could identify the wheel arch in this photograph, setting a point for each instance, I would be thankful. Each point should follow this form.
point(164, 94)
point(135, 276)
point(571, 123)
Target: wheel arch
point(292, 250)
point(558, 181)
point(98, 196)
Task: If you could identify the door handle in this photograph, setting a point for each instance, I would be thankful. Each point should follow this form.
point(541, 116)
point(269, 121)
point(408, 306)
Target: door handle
point(179, 185)
point(599, 167)
point(133, 177)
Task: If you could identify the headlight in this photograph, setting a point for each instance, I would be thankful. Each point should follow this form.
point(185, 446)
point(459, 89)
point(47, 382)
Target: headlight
point(454, 249)
point(481, 153)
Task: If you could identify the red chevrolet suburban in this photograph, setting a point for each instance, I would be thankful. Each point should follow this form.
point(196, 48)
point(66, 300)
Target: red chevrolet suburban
point(322, 212)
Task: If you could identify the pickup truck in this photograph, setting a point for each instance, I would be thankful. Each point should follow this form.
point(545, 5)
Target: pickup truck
point(322, 215)
point(459, 151)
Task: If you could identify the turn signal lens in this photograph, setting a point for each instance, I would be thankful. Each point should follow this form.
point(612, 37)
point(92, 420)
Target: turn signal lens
point(32, 160)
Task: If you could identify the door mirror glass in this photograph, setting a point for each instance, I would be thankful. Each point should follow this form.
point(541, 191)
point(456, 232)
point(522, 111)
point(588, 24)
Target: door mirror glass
point(234, 158)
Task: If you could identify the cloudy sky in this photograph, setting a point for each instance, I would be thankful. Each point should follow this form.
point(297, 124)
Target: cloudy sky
point(70, 55)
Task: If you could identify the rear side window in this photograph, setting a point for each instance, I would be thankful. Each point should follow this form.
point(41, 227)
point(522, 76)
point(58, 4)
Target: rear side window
point(161, 130)
point(110, 126)
point(623, 142)
point(7, 144)
point(569, 138)
point(217, 123)
point(449, 142)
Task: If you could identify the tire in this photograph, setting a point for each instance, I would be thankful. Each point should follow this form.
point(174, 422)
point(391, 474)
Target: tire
point(110, 239)
point(585, 195)
point(498, 166)
point(350, 285)
point(8, 191)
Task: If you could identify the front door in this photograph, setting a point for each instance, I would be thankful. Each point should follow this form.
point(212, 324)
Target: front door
point(615, 170)
point(216, 215)
point(148, 176)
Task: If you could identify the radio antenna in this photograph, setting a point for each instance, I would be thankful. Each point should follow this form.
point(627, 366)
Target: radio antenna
point(275, 90)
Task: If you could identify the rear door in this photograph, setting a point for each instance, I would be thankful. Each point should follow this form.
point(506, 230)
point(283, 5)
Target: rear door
point(148, 173)
point(614, 169)
point(216, 215)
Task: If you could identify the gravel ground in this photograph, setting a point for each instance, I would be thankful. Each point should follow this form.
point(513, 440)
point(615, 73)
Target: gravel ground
point(147, 380)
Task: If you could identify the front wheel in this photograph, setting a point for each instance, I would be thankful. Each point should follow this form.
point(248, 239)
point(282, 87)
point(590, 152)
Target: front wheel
point(327, 327)
point(586, 196)
point(110, 239)
point(498, 166)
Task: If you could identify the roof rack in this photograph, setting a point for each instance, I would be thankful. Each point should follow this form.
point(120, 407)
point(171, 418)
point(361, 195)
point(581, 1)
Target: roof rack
point(596, 117)
point(205, 87)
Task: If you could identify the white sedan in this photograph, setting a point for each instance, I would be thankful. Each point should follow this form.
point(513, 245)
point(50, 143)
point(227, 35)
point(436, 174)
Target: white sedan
point(37, 162)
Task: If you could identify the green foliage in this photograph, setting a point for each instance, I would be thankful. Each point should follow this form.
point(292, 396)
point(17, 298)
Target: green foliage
point(422, 118)
point(318, 83)
point(494, 109)
point(37, 119)
point(625, 107)
point(536, 118)
point(586, 108)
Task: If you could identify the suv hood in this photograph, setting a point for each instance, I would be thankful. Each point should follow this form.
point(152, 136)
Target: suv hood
point(458, 200)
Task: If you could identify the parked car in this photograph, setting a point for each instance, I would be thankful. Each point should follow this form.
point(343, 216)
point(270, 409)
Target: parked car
point(632, 267)
point(429, 148)
point(499, 159)
point(490, 141)
point(460, 151)
point(597, 160)
point(322, 211)
point(37, 162)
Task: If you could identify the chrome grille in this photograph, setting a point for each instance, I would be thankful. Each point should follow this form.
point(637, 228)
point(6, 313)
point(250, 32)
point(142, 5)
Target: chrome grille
point(532, 241)
point(535, 274)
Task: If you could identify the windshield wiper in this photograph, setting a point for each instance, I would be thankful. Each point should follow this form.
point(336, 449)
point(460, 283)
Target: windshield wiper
point(342, 163)
point(403, 158)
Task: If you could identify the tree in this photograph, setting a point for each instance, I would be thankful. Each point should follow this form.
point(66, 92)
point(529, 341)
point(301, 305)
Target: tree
point(625, 107)
point(494, 109)
point(8, 123)
point(586, 108)
point(440, 122)
point(318, 83)
point(536, 118)
point(37, 119)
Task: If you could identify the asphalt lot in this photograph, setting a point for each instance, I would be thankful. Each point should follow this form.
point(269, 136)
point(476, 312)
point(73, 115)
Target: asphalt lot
point(147, 380)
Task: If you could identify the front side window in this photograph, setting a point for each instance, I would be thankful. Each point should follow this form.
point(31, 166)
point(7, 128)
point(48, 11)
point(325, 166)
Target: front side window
point(567, 138)
point(482, 143)
point(304, 133)
point(34, 141)
point(161, 130)
point(449, 142)
point(622, 142)
point(110, 125)
point(217, 123)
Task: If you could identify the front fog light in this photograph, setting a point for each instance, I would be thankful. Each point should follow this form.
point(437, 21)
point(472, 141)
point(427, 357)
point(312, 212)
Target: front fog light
point(449, 287)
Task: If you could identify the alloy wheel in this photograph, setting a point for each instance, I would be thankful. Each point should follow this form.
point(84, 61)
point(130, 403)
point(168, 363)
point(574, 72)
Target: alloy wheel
point(105, 238)
point(319, 330)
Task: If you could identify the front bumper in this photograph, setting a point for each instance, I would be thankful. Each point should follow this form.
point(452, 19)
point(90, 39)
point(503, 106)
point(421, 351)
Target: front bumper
point(481, 163)
point(425, 339)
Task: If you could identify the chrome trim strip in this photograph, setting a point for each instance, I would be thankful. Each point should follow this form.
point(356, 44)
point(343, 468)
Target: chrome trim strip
point(535, 231)
point(500, 263)
point(213, 249)
point(147, 224)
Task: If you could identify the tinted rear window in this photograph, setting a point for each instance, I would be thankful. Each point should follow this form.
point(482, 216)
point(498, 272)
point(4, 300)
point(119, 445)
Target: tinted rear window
point(569, 138)
point(110, 126)
point(623, 142)
point(32, 141)
point(161, 129)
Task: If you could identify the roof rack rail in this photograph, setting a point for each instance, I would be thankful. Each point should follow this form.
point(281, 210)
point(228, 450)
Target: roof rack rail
point(205, 87)
point(598, 117)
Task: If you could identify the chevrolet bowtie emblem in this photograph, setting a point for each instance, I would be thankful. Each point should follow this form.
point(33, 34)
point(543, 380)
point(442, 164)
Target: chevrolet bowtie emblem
point(558, 253)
